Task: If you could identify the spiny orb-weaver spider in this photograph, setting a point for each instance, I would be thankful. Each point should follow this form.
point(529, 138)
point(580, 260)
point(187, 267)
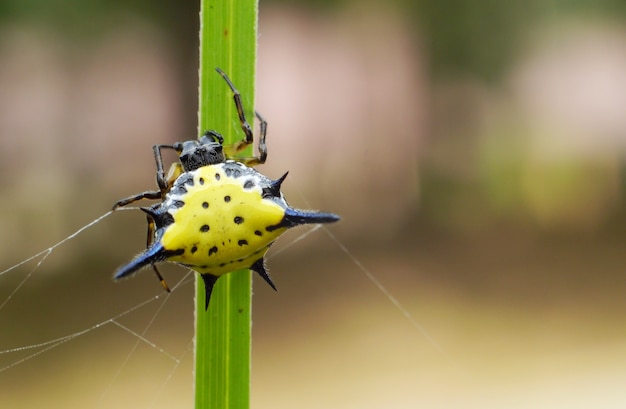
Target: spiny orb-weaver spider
point(217, 214)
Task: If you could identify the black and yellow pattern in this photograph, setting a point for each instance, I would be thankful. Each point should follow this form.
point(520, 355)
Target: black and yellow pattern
point(216, 215)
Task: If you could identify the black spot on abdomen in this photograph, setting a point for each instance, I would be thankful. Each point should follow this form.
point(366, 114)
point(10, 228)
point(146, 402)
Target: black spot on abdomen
point(232, 171)
point(187, 179)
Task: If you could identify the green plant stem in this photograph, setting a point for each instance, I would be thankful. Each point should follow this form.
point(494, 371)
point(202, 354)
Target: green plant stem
point(228, 32)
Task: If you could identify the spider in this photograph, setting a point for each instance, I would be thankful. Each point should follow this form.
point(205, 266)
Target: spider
point(217, 214)
point(195, 153)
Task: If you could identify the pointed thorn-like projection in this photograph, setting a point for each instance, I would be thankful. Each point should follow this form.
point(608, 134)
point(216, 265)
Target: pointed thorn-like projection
point(296, 217)
point(150, 212)
point(209, 282)
point(276, 184)
point(273, 190)
point(161, 219)
point(259, 267)
point(151, 255)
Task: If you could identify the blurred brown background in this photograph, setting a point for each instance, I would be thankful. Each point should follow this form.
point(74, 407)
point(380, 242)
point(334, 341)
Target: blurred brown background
point(476, 154)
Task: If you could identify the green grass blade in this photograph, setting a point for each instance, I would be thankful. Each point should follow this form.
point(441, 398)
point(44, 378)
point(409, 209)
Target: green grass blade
point(228, 32)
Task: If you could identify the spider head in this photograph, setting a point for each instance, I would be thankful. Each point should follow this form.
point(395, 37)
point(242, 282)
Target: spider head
point(207, 150)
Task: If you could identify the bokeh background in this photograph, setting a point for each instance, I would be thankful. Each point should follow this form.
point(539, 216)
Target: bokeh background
point(474, 149)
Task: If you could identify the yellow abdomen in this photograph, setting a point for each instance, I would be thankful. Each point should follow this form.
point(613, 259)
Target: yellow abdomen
point(222, 221)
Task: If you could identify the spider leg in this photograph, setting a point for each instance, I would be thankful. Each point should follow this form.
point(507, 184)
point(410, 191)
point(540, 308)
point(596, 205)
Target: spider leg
point(215, 136)
point(253, 160)
point(161, 279)
point(165, 182)
point(150, 194)
point(247, 129)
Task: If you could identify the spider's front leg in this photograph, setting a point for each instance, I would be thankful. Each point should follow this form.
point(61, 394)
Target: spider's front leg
point(150, 194)
point(163, 182)
point(233, 150)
